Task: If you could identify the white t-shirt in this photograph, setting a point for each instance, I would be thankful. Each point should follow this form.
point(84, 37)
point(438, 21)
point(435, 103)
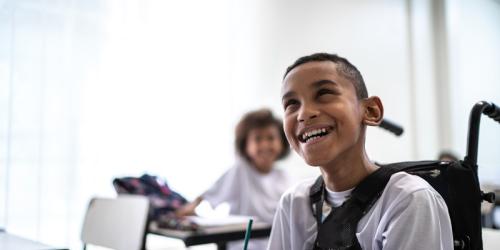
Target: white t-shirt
point(250, 193)
point(337, 198)
point(409, 215)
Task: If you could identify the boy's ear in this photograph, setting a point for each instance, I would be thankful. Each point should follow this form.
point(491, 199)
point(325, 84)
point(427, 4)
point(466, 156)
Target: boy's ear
point(374, 111)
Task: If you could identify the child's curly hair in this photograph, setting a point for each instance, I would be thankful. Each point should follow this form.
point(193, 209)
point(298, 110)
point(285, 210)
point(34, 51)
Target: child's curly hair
point(261, 118)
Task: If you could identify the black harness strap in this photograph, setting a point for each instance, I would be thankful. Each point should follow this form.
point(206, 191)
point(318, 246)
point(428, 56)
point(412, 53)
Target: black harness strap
point(316, 195)
point(338, 230)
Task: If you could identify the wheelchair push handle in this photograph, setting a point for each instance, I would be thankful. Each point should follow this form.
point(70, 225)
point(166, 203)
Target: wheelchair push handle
point(391, 127)
point(493, 112)
point(482, 107)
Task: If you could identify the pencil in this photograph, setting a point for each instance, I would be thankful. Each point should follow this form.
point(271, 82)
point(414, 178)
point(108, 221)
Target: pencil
point(247, 234)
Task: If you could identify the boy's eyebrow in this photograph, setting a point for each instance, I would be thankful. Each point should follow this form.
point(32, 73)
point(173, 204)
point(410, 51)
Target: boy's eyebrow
point(287, 95)
point(315, 85)
point(320, 83)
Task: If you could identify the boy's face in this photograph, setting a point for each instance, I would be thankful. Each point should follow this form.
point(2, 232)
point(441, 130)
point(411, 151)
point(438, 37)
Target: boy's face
point(323, 116)
point(264, 147)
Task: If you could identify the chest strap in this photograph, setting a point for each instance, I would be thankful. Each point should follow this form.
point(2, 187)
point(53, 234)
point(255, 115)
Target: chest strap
point(338, 230)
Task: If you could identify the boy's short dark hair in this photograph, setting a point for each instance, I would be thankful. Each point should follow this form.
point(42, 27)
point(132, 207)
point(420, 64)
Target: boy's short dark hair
point(261, 118)
point(344, 67)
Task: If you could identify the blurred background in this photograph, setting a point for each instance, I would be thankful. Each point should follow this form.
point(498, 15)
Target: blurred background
point(95, 89)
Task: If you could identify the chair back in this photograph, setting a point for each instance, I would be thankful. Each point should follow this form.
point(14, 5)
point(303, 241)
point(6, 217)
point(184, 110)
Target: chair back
point(118, 223)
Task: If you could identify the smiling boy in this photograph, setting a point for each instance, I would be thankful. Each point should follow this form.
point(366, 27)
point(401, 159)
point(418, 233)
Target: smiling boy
point(327, 109)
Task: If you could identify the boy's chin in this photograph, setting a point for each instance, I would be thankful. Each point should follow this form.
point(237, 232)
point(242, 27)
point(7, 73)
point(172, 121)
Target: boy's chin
point(315, 161)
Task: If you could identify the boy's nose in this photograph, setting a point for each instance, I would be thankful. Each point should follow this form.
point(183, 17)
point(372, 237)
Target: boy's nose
point(307, 113)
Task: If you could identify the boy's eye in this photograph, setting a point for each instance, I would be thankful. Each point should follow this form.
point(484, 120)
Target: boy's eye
point(290, 103)
point(326, 92)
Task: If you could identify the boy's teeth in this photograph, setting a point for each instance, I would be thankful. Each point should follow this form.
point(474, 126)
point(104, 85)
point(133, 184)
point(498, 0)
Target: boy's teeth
point(308, 135)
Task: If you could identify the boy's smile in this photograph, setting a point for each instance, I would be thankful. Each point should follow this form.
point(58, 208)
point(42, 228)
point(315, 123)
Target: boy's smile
point(323, 116)
point(314, 133)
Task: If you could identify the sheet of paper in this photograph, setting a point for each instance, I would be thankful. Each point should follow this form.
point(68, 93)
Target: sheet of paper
point(220, 221)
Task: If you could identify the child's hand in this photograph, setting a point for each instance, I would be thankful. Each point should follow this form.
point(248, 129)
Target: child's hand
point(189, 208)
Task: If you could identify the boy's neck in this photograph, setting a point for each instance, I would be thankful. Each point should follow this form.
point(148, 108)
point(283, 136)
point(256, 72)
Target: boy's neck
point(348, 171)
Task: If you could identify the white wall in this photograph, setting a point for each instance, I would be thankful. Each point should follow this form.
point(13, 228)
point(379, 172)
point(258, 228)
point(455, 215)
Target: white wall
point(474, 48)
point(90, 90)
point(423, 68)
point(372, 35)
point(4, 112)
point(48, 49)
point(99, 89)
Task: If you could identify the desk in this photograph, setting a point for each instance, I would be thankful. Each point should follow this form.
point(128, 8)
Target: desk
point(491, 239)
point(12, 242)
point(218, 235)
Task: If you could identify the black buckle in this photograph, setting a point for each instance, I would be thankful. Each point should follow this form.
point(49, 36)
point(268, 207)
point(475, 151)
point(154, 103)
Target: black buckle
point(462, 243)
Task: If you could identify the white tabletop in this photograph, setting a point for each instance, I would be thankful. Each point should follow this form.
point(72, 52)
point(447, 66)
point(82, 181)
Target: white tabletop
point(12, 242)
point(491, 239)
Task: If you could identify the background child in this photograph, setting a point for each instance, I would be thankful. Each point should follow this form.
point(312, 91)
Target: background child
point(327, 109)
point(253, 186)
point(447, 156)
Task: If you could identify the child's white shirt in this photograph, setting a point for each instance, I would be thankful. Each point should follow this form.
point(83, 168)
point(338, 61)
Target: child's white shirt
point(409, 215)
point(249, 192)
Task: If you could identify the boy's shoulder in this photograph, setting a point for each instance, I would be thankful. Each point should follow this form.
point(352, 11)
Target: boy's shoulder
point(405, 183)
point(407, 188)
point(298, 193)
point(400, 185)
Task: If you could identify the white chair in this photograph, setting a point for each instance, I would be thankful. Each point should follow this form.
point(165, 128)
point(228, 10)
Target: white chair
point(118, 223)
